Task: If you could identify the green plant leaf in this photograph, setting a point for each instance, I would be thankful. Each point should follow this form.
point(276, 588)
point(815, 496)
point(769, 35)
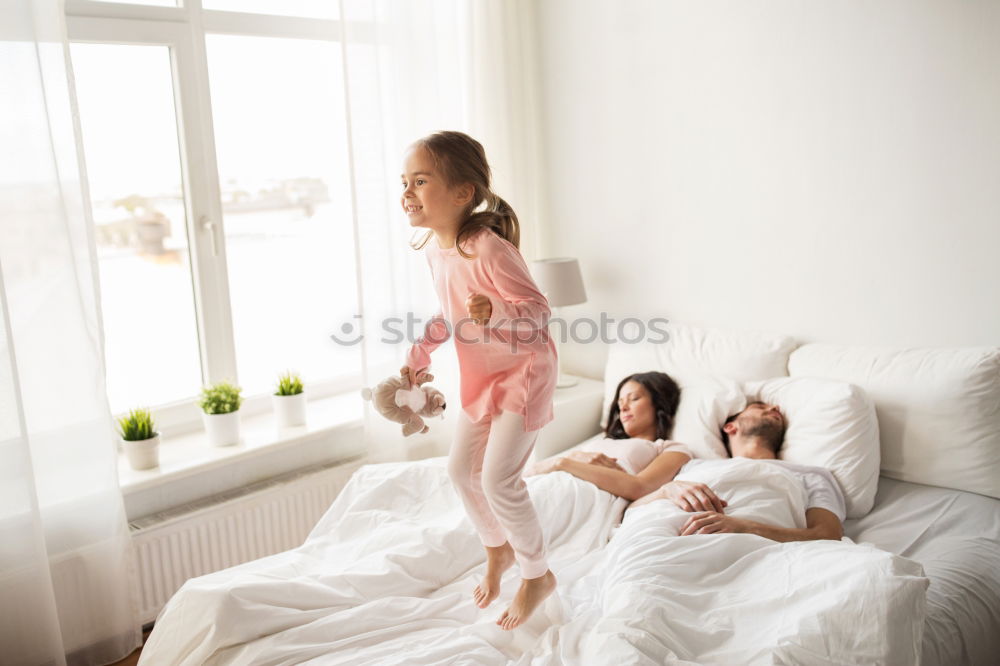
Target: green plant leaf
point(288, 384)
point(220, 398)
point(137, 425)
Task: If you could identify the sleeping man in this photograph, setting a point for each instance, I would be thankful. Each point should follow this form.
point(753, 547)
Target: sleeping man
point(695, 572)
point(752, 492)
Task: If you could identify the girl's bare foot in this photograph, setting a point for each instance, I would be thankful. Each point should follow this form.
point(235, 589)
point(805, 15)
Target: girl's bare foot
point(531, 593)
point(498, 560)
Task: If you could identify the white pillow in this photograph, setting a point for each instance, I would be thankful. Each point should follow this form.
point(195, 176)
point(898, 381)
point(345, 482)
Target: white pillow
point(695, 356)
point(701, 414)
point(831, 424)
point(938, 409)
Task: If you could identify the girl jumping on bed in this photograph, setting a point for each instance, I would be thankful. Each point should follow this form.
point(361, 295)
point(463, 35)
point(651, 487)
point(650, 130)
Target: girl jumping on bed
point(507, 360)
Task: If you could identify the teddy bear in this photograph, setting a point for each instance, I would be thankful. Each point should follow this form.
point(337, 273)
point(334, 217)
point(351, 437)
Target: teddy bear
point(395, 402)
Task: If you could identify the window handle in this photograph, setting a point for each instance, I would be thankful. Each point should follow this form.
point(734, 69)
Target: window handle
point(210, 227)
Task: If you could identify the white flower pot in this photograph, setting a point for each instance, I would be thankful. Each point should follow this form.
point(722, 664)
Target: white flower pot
point(144, 453)
point(222, 429)
point(289, 410)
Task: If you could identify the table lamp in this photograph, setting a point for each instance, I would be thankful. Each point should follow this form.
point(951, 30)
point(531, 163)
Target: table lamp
point(562, 283)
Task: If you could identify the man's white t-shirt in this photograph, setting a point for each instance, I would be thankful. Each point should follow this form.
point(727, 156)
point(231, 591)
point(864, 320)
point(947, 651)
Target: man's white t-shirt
point(822, 490)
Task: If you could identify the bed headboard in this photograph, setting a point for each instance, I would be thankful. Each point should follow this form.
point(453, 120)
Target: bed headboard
point(938, 409)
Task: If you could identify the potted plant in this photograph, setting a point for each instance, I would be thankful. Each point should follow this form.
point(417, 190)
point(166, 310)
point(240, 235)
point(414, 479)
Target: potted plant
point(289, 401)
point(220, 404)
point(140, 439)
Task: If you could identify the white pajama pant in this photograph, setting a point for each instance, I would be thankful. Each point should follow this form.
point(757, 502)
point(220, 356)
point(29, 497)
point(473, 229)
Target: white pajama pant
point(485, 464)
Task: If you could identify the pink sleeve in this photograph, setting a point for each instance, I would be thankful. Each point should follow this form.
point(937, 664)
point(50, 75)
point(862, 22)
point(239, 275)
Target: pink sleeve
point(436, 333)
point(519, 296)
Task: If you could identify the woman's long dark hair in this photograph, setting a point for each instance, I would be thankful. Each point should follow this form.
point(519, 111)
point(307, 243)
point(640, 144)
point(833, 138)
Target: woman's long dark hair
point(665, 395)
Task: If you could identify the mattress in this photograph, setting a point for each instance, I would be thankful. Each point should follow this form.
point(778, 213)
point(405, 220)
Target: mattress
point(385, 576)
point(956, 537)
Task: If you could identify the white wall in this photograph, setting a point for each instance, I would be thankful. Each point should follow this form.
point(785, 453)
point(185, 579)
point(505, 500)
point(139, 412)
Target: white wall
point(827, 170)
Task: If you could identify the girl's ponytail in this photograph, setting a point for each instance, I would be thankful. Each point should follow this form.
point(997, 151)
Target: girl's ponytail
point(498, 216)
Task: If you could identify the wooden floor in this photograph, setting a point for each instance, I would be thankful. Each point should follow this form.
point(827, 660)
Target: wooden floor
point(133, 658)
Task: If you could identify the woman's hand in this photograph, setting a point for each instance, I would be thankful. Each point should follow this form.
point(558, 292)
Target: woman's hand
point(542, 467)
point(714, 523)
point(479, 308)
point(592, 458)
point(692, 496)
point(587, 457)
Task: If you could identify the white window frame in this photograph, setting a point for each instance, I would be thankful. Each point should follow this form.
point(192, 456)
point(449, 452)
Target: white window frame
point(183, 30)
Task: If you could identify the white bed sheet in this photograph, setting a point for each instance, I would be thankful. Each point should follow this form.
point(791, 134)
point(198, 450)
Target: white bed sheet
point(385, 577)
point(956, 537)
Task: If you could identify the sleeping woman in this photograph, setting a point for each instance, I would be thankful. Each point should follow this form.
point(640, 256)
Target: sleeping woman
point(636, 456)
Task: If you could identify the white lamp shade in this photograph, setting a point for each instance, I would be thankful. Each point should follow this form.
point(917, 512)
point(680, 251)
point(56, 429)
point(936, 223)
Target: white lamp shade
point(560, 280)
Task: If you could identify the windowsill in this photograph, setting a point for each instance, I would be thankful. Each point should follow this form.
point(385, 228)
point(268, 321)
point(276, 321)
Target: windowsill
point(191, 468)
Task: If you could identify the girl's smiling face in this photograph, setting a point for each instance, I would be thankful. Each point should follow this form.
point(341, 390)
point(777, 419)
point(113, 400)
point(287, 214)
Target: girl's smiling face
point(427, 199)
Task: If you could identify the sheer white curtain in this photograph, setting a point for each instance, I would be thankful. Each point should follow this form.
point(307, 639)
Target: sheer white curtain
point(65, 591)
point(414, 67)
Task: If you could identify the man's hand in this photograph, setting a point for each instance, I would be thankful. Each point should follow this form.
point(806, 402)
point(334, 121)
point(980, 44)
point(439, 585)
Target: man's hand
point(592, 458)
point(479, 308)
point(691, 496)
point(714, 523)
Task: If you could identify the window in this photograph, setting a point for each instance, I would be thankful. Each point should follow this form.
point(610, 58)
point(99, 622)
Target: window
point(327, 9)
point(282, 153)
point(151, 3)
point(125, 97)
point(216, 152)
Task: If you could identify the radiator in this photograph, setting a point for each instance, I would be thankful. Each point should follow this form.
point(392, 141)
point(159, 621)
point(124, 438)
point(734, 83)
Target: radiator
point(229, 529)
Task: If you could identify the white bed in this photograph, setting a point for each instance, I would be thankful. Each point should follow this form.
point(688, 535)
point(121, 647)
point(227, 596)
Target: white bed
point(956, 537)
point(386, 576)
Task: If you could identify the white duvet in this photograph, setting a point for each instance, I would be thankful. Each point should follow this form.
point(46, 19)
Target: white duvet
point(386, 578)
point(652, 597)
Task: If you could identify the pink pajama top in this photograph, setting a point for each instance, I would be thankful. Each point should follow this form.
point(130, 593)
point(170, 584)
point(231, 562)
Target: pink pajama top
point(510, 364)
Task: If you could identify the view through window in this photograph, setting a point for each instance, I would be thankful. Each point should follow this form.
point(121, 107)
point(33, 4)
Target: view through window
point(278, 111)
point(277, 120)
point(125, 96)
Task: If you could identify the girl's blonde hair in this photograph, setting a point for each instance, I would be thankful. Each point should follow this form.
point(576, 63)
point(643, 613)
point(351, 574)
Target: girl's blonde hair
point(461, 160)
